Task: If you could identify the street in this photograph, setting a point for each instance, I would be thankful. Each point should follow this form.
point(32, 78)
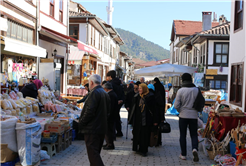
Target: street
point(167, 154)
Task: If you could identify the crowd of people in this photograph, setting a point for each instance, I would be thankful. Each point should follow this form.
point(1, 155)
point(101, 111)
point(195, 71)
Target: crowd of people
point(145, 102)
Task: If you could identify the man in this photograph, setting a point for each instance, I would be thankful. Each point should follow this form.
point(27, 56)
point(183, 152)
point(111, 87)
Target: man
point(142, 79)
point(118, 89)
point(184, 103)
point(110, 134)
point(93, 120)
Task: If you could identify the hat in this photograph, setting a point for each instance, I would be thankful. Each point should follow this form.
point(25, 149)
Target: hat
point(186, 77)
point(108, 85)
point(151, 86)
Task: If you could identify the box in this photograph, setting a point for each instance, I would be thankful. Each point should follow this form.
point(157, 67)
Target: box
point(55, 127)
point(7, 155)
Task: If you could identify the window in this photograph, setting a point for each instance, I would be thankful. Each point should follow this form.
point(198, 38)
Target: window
point(19, 32)
point(174, 56)
point(61, 10)
point(217, 84)
point(105, 46)
point(221, 52)
point(74, 31)
point(111, 54)
point(91, 35)
point(203, 53)
point(52, 8)
point(195, 56)
point(236, 83)
point(238, 23)
point(94, 37)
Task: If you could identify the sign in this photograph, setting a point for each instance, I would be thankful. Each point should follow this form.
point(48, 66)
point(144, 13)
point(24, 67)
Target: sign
point(86, 48)
point(74, 62)
point(198, 79)
point(211, 71)
point(209, 77)
point(4, 24)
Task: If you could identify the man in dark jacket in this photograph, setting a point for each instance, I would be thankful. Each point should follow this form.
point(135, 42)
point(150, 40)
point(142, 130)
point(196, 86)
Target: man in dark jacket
point(109, 137)
point(118, 89)
point(93, 120)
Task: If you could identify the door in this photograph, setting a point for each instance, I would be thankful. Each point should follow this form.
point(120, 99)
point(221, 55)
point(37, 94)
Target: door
point(58, 79)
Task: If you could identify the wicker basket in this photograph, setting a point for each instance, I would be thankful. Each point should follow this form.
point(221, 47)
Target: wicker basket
point(214, 152)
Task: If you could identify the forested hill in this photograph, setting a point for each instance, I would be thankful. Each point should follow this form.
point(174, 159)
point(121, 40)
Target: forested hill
point(138, 47)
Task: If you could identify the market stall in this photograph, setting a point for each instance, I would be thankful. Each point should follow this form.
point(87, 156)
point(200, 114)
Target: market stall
point(35, 129)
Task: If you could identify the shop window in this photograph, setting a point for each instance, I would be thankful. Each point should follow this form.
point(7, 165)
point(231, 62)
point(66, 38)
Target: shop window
point(52, 8)
point(238, 23)
point(221, 52)
point(19, 32)
point(236, 83)
point(74, 31)
point(218, 84)
point(61, 10)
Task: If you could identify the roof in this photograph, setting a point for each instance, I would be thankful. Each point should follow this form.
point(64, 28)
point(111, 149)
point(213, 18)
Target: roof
point(148, 64)
point(82, 14)
point(223, 29)
point(163, 61)
point(113, 32)
point(186, 28)
point(138, 61)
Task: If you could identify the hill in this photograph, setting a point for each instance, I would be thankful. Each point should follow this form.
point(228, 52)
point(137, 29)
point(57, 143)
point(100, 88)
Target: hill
point(138, 47)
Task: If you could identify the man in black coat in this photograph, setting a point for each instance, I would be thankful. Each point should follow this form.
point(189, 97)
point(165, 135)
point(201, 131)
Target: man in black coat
point(118, 89)
point(109, 137)
point(93, 119)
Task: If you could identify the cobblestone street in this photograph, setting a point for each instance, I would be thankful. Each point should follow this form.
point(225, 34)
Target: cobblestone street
point(167, 154)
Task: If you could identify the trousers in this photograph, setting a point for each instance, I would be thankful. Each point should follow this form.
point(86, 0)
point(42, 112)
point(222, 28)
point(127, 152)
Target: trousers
point(183, 125)
point(94, 144)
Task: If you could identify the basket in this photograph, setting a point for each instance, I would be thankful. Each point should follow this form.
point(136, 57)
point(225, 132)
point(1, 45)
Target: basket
point(232, 163)
point(212, 153)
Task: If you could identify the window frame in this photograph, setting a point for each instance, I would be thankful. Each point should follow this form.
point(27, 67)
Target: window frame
point(74, 25)
point(218, 64)
point(195, 56)
point(236, 83)
point(236, 14)
point(61, 11)
point(53, 11)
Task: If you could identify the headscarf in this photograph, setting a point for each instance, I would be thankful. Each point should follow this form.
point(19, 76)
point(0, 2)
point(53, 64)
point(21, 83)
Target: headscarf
point(151, 86)
point(38, 83)
point(145, 90)
point(130, 88)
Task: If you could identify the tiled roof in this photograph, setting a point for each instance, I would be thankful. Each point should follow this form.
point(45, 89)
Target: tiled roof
point(148, 64)
point(183, 27)
point(138, 61)
point(163, 61)
point(82, 14)
point(223, 29)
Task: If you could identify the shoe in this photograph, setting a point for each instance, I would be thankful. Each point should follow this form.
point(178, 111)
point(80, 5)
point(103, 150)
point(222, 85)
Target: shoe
point(144, 154)
point(105, 145)
point(182, 157)
point(119, 134)
point(195, 155)
point(141, 153)
point(109, 148)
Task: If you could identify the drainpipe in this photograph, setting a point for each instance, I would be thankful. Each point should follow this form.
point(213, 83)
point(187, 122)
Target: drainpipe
point(37, 29)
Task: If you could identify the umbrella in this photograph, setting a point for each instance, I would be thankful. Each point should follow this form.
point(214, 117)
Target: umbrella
point(161, 70)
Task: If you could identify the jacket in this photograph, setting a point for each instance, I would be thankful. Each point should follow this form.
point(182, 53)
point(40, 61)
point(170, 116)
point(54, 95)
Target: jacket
point(149, 114)
point(30, 90)
point(93, 118)
point(129, 99)
point(118, 88)
point(159, 105)
point(114, 106)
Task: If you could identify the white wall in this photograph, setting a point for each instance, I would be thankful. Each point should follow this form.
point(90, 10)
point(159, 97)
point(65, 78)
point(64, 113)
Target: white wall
point(53, 23)
point(25, 6)
point(237, 50)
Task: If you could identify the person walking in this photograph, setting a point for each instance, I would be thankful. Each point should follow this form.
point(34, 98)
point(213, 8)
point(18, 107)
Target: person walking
point(93, 120)
point(160, 107)
point(110, 134)
point(143, 117)
point(184, 102)
point(118, 89)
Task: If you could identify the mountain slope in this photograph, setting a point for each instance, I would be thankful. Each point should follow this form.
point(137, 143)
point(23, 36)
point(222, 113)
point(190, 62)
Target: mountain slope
point(138, 47)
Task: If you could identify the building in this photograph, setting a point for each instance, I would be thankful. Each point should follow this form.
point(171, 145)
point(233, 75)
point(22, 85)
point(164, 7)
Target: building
point(237, 68)
point(126, 67)
point(20, 52)
point(98, 36)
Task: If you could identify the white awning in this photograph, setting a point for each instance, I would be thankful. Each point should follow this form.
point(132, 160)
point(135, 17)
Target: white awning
point(19, 47)
point(4, 24)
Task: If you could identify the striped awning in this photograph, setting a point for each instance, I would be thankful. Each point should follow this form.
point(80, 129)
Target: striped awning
point(75, 56)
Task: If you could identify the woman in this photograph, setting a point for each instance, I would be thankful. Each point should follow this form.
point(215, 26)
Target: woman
point(143, 117)
point(31, 90)
point(184, 102)
point(159, 109)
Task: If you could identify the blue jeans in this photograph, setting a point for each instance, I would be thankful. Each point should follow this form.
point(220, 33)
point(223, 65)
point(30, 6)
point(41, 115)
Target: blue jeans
point(183, 125)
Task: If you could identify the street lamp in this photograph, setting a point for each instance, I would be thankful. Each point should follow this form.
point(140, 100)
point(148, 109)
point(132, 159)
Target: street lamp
point(54, 52)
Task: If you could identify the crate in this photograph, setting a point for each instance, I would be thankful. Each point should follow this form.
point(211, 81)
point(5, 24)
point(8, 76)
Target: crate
point(51, 139)
point(63, 140)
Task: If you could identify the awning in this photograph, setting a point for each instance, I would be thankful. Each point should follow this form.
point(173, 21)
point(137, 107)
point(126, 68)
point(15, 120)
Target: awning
point(121, 68)
point(19, 47)
point(75, 55)
point(86, 48)
point(4, 24)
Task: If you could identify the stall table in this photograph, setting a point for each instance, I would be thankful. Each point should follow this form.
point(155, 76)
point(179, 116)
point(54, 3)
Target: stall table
point(77, 92)
point(230, 123)
point(72, 98)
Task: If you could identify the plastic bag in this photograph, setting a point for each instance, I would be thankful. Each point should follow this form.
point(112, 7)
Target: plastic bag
point(35, 108)
point(29, 109)
point(13, 103)
point(13, 112)
point(44, 155)
point(5, 104)
point(7, 112)
point(20, 95)
point(23, 110)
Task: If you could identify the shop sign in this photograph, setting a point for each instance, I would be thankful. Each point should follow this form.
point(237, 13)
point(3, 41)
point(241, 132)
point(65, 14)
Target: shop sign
point(4, 24)
point(209, 77)
point(74, 62)
point(211, 71)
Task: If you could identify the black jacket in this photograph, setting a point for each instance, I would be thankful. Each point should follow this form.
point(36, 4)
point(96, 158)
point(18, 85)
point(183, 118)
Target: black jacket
point(159, 105)
point(129, 99)
point(118, 88)
point(149, 115)
point(114, 106)
point(160, 88)
point(30, 90)
point(93, 118)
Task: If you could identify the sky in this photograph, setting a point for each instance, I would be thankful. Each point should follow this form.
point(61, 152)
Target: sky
point(153, 20)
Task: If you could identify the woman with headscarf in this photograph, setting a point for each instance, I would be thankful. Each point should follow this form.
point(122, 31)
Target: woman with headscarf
point(31, 90)
point(143, 117)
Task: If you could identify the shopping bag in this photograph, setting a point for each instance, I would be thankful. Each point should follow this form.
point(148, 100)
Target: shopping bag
point(165, 127)
point(153, 138)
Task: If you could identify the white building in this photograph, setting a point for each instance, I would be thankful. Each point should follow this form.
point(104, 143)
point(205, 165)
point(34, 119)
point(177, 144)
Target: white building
point(237, 68)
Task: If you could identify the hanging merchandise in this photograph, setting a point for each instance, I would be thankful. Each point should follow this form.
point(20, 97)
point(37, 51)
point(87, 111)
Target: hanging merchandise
point(10, 65)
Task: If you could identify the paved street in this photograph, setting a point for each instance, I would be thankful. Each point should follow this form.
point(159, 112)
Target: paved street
point(167, 154)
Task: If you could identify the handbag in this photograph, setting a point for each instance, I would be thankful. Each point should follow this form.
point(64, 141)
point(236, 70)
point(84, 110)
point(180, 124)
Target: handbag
point(153, 138)
point(165, 127)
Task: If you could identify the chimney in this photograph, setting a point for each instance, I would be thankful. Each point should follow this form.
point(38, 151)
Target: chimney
point(206, 21)
point(222, 20)
point(215, 17)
